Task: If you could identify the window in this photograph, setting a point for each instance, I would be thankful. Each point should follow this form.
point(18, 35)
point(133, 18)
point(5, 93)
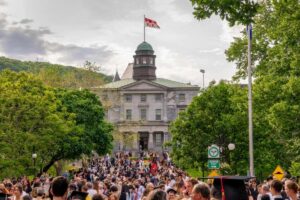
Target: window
point(181, 97)
point(137, 61)
point(143, 97)
point(144, 60)
point(128, 97)
point(151, 61)
point(158, 114)
point(143, 114)
point(158, 139)
point(158, 97)
point(128, 114)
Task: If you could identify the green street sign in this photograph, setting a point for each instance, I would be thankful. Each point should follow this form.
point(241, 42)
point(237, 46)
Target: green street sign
point(213, 151)
point(214, 164)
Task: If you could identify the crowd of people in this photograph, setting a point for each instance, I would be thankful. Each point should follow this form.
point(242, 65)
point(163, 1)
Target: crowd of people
point(122, 178)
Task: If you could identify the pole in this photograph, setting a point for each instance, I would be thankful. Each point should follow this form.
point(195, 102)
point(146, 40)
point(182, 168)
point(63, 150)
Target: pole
point(202, 71)
point(203, 80)
point(251, 158)
point(144, 29)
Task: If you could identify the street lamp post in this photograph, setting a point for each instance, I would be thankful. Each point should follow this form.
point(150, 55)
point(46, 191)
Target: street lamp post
point(231, 147)
point(203, 72)
point(34, 155)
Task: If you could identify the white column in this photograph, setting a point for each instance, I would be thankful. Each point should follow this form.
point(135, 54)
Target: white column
point(165, 105)
point(122, 107)
point(136, 141)
point(150, 141)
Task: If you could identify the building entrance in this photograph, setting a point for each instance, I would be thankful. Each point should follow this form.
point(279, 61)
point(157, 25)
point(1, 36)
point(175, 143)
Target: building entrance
point(143, 143)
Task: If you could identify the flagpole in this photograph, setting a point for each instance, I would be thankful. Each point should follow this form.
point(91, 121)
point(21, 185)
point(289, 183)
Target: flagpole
point(249, 69)
point(144, 29)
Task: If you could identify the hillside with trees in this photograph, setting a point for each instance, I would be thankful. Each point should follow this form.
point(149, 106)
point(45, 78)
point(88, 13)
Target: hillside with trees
point(56, 75)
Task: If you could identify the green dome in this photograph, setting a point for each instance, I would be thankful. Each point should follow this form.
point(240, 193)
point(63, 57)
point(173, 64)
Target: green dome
point(144, 46)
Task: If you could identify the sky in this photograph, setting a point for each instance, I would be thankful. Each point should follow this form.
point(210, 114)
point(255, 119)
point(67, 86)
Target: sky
point(107, 32)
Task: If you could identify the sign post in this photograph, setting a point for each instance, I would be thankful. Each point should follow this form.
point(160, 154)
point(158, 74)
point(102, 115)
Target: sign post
point(213, 155)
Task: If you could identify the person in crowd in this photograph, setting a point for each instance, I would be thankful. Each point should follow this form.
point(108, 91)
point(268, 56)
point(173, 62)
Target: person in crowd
point(189, 185)
point(201, 191)
point(157, 195)
point(266, 197)
point(59, 188)
point(98, 197)
point(91, 191)
point(253, 189)
point(264, 190)
point(171, 194)
point(276, 187)
point(291, 189)
point(17, 191)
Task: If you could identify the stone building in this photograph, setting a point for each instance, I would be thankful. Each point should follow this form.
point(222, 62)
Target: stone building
point(142, 105)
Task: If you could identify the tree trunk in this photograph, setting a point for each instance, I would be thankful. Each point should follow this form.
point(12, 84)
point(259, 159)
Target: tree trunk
point(47, 167)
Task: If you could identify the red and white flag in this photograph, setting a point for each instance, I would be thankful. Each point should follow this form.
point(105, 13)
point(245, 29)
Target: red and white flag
point(151, 23)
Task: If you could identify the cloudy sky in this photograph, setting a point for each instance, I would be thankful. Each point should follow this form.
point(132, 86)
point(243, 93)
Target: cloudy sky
point(108, 31)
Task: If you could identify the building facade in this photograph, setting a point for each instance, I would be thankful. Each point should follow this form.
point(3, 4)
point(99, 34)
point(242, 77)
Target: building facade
point(142, 105)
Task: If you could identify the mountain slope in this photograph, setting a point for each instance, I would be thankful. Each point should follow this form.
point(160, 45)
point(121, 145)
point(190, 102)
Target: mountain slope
point(57, 75)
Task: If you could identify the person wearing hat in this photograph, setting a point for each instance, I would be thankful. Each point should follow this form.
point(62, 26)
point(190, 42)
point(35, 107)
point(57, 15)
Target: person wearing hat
point(201, 191)
point(171, 194)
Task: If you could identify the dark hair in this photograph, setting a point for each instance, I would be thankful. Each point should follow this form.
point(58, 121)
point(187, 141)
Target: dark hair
point(158, 195)
point(113, 188)
point(27, 197)
point(59, 186)
point(292, 186)
point(265, 197)
point(203, 189)
point(276, 185)
point(97, 197)
point(193, 181)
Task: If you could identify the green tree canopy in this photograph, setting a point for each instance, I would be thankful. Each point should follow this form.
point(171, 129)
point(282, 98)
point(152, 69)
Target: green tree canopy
point(56, 124)
point(235, 12)
point(217, 116)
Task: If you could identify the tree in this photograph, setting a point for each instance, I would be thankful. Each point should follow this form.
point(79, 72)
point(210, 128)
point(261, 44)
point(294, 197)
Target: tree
point(29, 121)
point(235, 12)
point(217, 116)
point(54, 123)
point(93, 132)
point(276, 53)
point(55, 75)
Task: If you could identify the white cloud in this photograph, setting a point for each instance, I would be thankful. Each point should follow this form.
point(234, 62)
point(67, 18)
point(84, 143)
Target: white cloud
point(107, 32)
point(230, 32)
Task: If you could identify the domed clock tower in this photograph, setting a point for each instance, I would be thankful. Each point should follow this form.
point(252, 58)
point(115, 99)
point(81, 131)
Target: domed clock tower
point(144, 63)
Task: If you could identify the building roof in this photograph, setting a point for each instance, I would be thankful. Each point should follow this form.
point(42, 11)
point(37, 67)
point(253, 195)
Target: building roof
point(160, 81)
point(128, 71)
point(144, 46)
